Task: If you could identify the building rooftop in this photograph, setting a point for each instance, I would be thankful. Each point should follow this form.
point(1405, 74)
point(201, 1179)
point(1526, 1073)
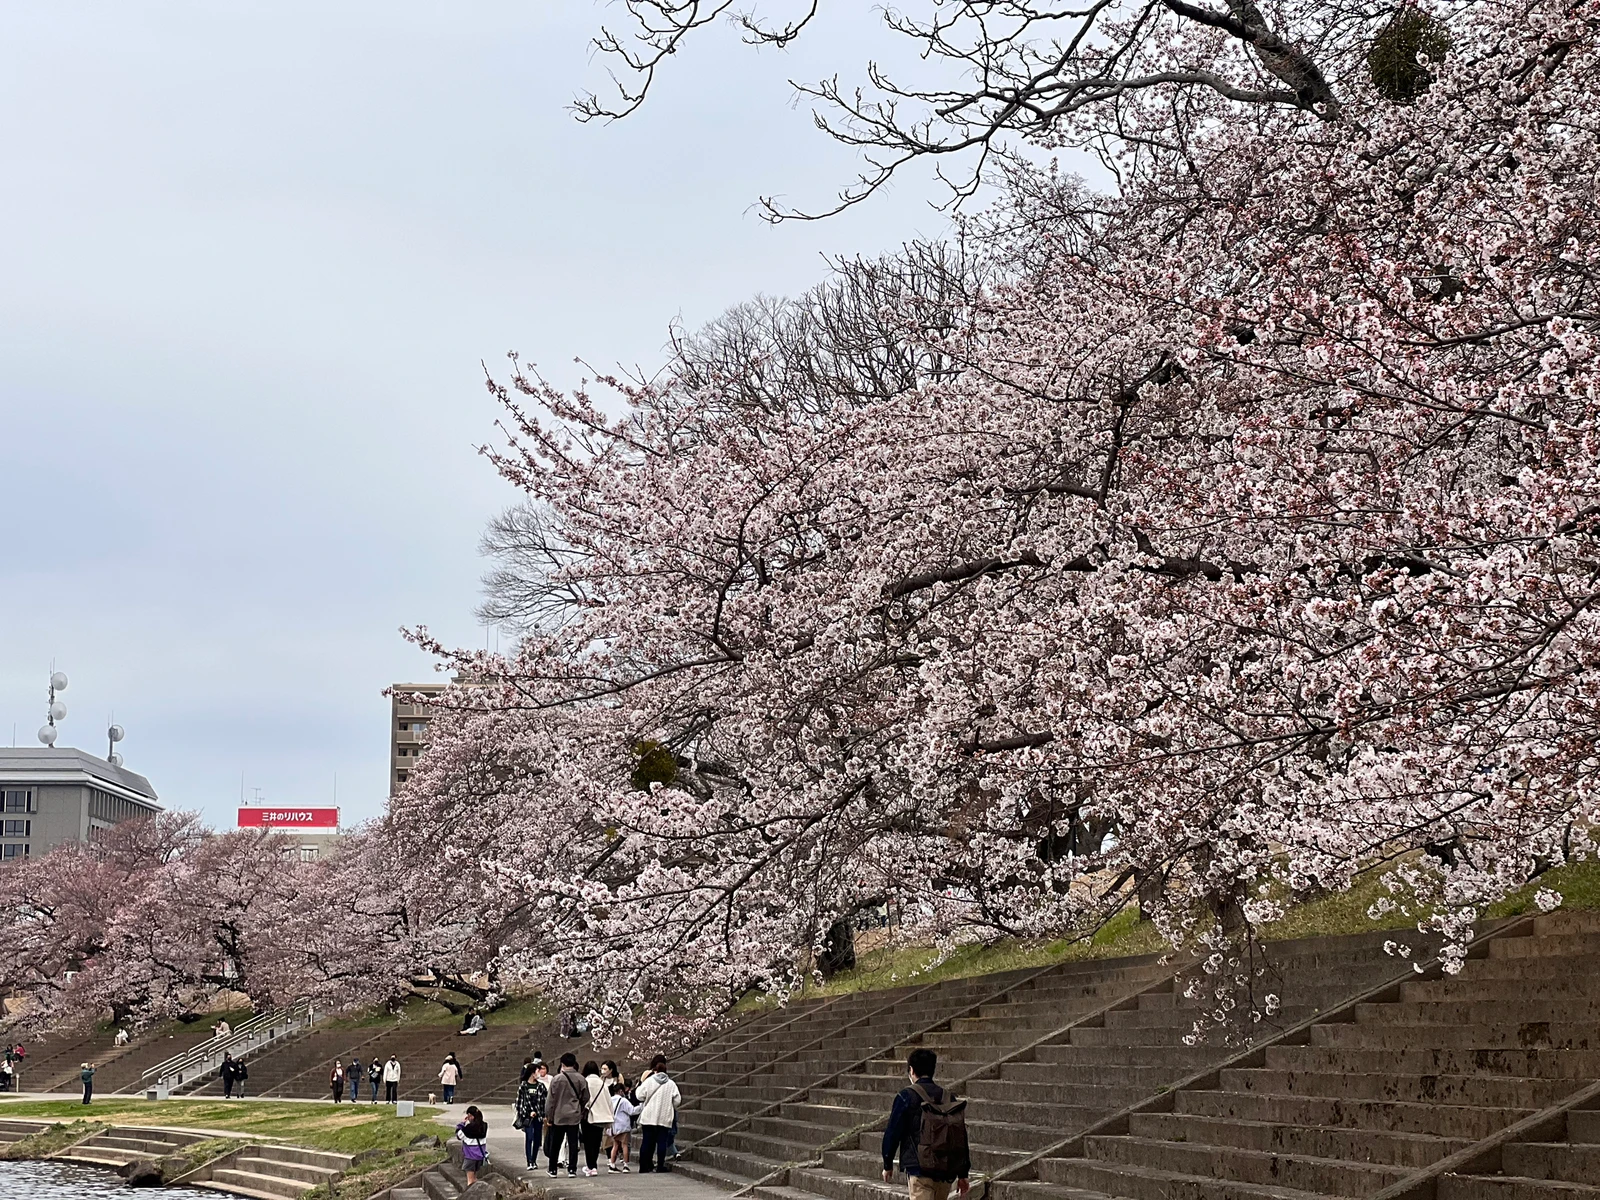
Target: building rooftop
point(63, 764)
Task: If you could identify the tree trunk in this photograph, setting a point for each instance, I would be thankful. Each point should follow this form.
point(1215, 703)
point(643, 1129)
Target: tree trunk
point(838, 949)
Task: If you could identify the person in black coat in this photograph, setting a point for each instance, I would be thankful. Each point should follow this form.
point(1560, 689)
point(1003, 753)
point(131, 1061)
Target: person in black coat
point(229, 1072)
point(905, 1131)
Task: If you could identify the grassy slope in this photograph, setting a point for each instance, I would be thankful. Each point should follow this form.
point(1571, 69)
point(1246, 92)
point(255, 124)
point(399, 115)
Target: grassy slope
point(528, 1010)
point(346, 1129)
point(1125, 934)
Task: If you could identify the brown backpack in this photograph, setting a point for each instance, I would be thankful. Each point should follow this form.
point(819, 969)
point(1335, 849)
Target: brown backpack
point(942, 1142)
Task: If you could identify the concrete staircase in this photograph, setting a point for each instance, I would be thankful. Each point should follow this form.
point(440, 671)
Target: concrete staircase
point(15, 1131)
point(446, 1181)
point(1562, 1164)
point(122, 1146)
point(299, 1066)
point(275, 1172)
point(1367, 1103)
point(796, 1106)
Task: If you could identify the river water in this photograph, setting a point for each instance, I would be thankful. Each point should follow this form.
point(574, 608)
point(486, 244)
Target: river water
point(63, 1181)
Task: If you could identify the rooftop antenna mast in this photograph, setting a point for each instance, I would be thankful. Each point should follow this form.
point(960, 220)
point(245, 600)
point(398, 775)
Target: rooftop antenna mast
point(114, 735)
point(57, 710)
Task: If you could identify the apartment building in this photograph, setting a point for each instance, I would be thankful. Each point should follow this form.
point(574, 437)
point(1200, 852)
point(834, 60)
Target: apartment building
point(408, 729)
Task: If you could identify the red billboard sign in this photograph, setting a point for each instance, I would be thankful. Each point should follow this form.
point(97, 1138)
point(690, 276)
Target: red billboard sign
point(268, 817)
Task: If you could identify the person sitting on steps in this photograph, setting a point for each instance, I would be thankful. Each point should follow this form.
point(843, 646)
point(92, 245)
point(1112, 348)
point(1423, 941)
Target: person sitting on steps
point(927, 1128)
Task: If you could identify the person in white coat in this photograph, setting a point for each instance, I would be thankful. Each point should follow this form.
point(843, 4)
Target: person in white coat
point(598, 1116)
point(391, 1080)
point(658, 1109)
point(450, 1078)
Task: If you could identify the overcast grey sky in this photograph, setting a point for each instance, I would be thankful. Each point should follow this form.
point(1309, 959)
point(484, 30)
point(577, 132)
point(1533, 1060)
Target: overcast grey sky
point(253, 254)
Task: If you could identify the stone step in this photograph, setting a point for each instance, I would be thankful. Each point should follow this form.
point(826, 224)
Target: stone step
point(1529, 1064)
point(780, 1150)
point(1304, 1172)
point(726, 1181)
point(271, 1185)
point(1584, 1010)
point(325, 1159)
point(1491, 1091)
point(1056, 1117)
point(1510, 1187)
point(1012, 1090)
point(1411, 1150)
point(298, 1172)
point(1522, 969)
point(1184, 1019)
point(1112, 1037)
point(102, 1158)
point(789, 1129)
point(868, 1164)
point(1150, 1183)
point(1548, 1160)
point(1006, 1189)
point(236, 1189)
point(1583, 1126)
point(1096, 1058)
point(834, 1185)
point(1508, 1036)
point(1442, 1120)
point(1470, 989)
point(1567, 920)
point(1551, 945)
point(1147, 1077)
point(835, 1116)
point(733, 1162)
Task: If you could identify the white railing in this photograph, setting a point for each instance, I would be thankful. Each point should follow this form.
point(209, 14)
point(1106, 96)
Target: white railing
point(250, 1036)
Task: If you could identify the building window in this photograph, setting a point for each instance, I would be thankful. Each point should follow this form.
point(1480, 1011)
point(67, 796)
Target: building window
point(19, 800)
point(13, 850)
point(308, 854)
point(19, 828)
point(402, 777)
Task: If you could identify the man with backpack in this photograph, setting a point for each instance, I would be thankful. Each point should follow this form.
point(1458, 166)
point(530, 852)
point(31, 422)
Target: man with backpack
point(928, 1129)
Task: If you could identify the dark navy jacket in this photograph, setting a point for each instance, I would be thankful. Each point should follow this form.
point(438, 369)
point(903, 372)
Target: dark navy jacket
point(905, 1130)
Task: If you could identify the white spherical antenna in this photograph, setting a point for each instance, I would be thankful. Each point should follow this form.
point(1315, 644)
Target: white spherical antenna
point(58, 711)
point(115, 733)
point(116, 760)
point(59, 681)
point(47, 734)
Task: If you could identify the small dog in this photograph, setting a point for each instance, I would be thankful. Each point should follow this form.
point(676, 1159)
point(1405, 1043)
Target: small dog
point(432, 1099)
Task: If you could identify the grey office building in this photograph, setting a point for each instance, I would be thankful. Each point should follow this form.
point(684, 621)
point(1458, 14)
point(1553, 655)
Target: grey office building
point(54, 795)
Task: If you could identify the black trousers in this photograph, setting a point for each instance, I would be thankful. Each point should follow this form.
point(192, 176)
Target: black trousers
point(552, 1145)
point(653, 1153)
point(593, 1135)
point(391, 1091)
point(88, 1091)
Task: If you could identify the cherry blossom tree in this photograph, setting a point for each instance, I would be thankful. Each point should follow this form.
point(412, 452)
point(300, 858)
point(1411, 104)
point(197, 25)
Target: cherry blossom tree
point(161, 918)
point(1244, 544)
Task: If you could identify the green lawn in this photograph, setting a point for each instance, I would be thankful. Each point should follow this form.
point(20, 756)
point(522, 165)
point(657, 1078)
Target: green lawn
point(348, 1129)
point(522, 1010)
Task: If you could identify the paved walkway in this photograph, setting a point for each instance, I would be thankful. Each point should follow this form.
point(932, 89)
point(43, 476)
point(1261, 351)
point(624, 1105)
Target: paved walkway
point(506, 1152)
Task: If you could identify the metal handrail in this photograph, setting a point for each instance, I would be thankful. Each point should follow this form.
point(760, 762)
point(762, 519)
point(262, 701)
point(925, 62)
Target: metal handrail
point(199, 1059)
